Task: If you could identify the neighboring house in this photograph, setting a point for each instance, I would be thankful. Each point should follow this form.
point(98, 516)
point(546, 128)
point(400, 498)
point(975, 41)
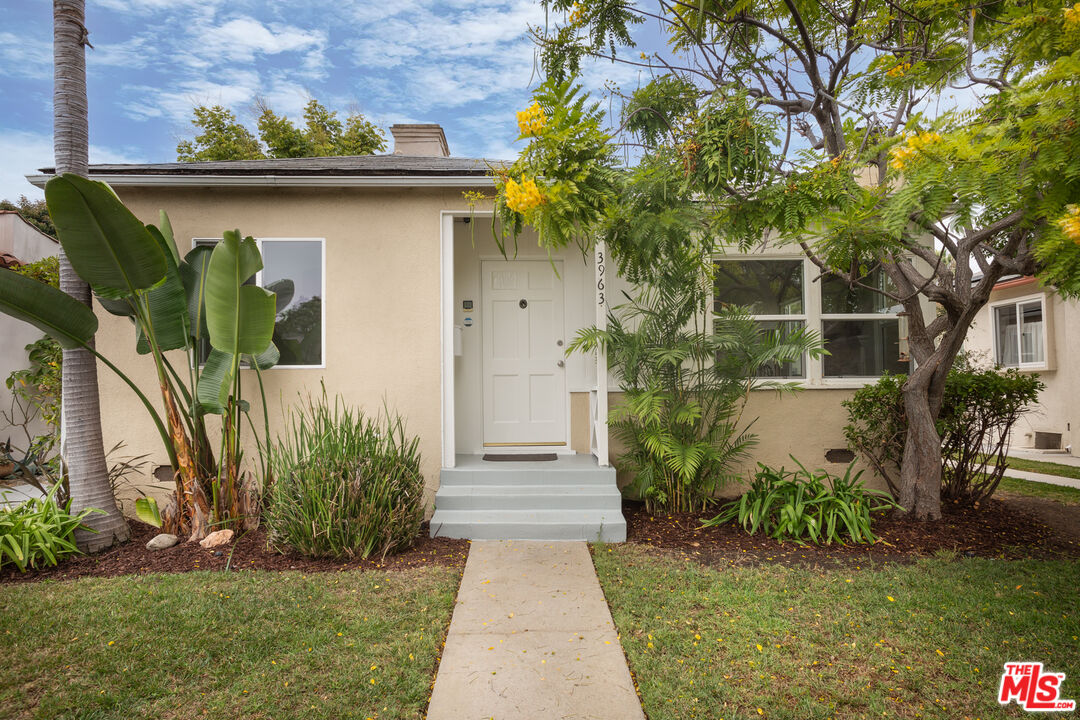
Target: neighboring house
point(20, 243)
point(1033, 329)
point(417, 305)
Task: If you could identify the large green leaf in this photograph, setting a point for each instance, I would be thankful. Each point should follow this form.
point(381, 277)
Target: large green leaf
point(193, 273)
point(167, 304)
point(215, 382)
point(267, 359)
point(55, 313)
point(107, 245)
point(166, 232)
point(239, 317)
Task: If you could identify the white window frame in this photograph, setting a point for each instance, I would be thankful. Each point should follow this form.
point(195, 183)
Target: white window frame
point(803, 317)
point(814, 319)
point(858, 380)
point(1016, 303)
point(258, 281)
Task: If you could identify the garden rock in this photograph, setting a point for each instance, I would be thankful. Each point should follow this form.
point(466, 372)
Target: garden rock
point(216, 539)
point(162, 542)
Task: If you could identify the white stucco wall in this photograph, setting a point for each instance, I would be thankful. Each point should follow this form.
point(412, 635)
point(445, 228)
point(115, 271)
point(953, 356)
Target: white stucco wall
point(1058, 410)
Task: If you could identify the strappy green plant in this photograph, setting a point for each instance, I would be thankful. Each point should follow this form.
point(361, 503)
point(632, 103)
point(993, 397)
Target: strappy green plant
point(687, 374)
point(40, 531)
point(800, 504)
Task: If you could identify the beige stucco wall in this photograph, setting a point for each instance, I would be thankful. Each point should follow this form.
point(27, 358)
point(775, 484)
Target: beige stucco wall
point(805, 425)
point(382, 302)
point(1058, 410)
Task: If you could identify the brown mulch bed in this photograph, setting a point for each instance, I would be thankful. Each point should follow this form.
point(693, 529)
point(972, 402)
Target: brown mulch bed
point(998, 529)
point(248, 552)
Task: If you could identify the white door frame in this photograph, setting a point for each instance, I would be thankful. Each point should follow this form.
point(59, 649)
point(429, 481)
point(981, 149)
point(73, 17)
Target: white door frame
point(446, 332)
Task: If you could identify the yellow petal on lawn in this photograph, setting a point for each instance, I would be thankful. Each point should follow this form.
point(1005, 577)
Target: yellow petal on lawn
point(759, 648)
point(940, 653)
point(891, 599)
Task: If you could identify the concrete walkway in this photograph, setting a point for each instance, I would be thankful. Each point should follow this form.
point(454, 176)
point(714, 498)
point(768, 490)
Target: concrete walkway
point(1040, 477)
point(532, 637)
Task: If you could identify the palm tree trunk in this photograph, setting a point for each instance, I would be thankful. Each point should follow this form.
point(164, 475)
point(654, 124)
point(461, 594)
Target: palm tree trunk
point(80, 419)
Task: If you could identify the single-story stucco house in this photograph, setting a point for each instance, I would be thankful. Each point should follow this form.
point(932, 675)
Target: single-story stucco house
point(418, 306)
point(1032, 328)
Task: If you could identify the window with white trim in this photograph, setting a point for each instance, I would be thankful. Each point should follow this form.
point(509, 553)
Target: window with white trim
point(1019, 331)
point(859, 326)
point(294, 268)
point(774, 292)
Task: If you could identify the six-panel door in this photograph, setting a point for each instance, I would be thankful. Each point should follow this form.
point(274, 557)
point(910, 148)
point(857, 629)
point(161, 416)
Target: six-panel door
point(524, 369)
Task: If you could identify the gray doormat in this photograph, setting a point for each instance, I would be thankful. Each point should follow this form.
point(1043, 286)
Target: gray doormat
point(537, 457)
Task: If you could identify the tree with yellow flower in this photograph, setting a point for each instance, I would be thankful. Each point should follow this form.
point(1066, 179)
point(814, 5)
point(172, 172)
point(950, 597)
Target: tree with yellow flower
point(938, 142)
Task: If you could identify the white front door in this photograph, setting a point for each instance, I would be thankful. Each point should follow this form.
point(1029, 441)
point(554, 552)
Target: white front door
point(524, 368)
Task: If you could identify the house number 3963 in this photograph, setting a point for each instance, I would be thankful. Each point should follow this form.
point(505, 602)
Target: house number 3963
point(600, 277)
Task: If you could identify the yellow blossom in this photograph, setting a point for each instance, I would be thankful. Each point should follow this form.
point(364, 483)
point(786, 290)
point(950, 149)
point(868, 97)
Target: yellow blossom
point(524, 196)
point(903, 154)
point(1070, 223)
point(898, 70)
point(577, 16)
point(532, 120)
point(1072, 15)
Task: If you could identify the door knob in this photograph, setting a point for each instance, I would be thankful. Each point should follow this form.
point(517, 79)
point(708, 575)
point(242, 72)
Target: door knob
point(561, 363)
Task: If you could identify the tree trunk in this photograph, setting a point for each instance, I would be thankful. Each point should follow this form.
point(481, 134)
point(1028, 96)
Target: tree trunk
point(80, 419)
point(920, 471)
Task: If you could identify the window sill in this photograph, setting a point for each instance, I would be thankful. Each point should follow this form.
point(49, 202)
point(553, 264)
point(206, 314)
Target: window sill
point(1041, 367)
point(824, 383)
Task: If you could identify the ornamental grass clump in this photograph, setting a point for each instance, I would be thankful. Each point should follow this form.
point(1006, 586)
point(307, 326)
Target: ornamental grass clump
point(344, 484)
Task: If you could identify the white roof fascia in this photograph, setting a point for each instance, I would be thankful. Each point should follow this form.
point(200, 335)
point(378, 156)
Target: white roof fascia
point(125, 180)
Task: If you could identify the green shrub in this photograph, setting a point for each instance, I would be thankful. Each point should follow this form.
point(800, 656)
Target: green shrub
point(801, 504)
point(686, 384)
point(343, 484)
point(978, 412)
point(40, 530)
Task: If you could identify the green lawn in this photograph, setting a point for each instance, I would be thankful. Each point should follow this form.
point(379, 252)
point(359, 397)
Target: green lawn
point(225, 645)
point(1059, 493)
point(1041, 466)
point(926, 640)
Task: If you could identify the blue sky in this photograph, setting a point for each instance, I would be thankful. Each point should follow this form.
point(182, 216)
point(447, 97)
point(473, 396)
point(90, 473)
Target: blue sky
point(466, 64)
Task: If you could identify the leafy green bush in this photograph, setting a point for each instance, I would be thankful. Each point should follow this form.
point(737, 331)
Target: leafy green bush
point(978, 412)
point(40, 530)
point(803, 504)
point(686, 384)
point(343, 484)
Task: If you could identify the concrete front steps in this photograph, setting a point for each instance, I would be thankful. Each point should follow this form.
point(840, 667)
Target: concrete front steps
point(571, 498)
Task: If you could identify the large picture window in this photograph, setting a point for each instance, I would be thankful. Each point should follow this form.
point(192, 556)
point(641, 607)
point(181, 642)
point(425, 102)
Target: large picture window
point(859, 326)
point(774, 292)
point(1019, 333)
point(294, 269)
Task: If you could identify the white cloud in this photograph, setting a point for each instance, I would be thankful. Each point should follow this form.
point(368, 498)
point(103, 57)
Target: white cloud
point(143, 7)
point(241, 39)
point(25, 57)
point(25, 153)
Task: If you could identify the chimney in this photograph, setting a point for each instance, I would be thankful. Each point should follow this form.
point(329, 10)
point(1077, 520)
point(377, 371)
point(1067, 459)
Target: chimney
point(427, 140)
